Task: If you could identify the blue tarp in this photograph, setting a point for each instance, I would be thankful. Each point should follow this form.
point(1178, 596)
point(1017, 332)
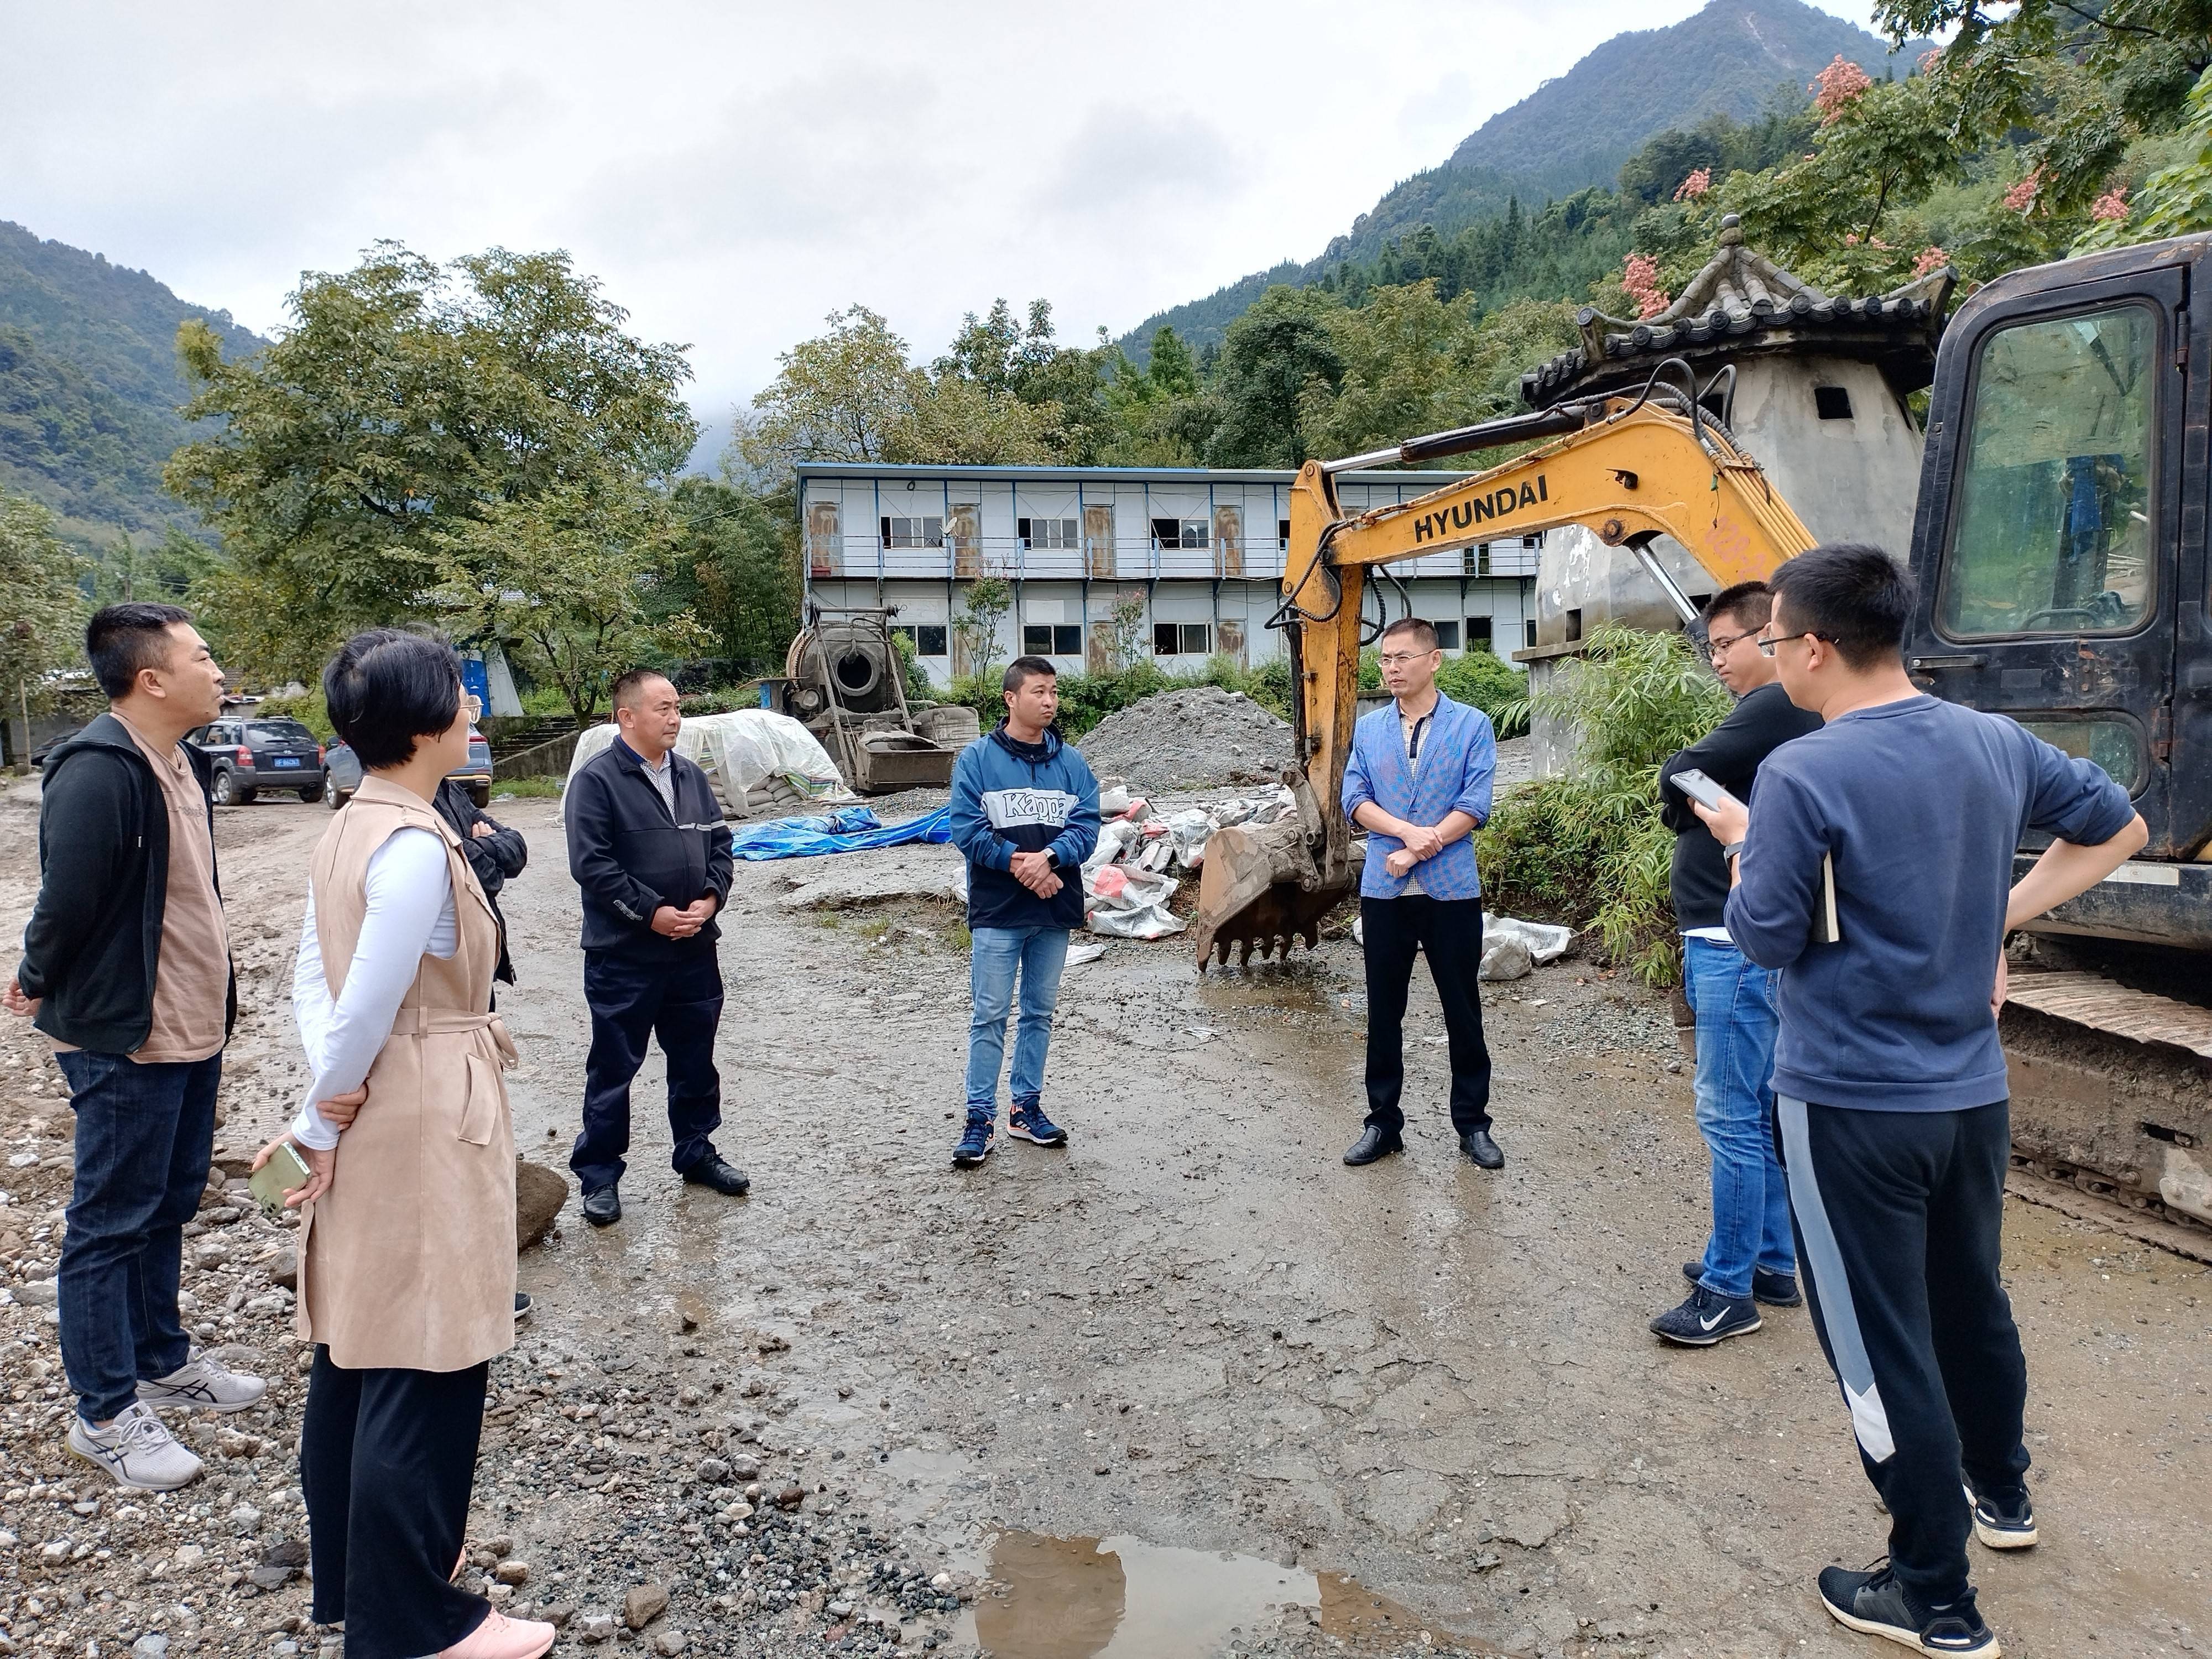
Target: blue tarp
point(848, 832)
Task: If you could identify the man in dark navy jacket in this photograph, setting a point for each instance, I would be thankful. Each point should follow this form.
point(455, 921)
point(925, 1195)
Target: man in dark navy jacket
point(649, 846)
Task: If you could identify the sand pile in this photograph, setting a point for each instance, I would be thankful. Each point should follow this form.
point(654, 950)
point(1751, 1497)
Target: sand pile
point(1199, 739)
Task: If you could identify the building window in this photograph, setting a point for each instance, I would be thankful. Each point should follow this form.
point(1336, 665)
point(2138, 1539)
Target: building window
point(1478, 634)
point(1052, 638)
point(1832, 402)
point(1574, 625)
point(1536, 540)
point(927, 639)
point(1475, 561)
point(1047, 533)
point(1182, 639)
point(1283, 532)
point(1179, 533)
point(914, 532)
point(1447, 635)
point(1530, 628)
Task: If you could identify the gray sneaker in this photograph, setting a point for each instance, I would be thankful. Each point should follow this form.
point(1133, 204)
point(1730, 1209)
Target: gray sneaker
point(204, 1383)
point(137, 1448)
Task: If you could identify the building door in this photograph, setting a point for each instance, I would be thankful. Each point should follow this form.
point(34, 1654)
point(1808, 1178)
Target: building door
point(1098, 541)
point(1228, 541)
point(964, 529)
point(1228, 639)
point(825, 545)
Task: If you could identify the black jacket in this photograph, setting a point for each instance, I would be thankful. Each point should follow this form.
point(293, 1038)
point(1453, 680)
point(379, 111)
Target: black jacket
point(630, 857)
point(1730, 754)
point(95, 939)
point(495, 858)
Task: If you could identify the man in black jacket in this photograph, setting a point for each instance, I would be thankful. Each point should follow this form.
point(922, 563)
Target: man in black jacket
point(649, 846)
point(495, 853)
point(127, 966)
point(1750, 1257)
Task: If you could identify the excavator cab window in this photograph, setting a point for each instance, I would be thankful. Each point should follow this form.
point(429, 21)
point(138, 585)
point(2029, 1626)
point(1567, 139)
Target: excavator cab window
point(2055, 532)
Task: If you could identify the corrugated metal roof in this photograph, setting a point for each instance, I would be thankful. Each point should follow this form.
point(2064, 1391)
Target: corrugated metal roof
point(1198, 475)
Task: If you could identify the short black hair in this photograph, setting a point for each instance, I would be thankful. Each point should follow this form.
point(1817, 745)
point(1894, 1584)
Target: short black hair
point(628, 688)
point(1424, 632)
point(386, 688)
point(1750, 603)
point(120, 640)
point(1850, 593)
point(1021, 670)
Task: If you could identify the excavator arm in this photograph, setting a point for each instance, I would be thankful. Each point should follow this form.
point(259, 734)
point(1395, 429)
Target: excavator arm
point(1629, 470)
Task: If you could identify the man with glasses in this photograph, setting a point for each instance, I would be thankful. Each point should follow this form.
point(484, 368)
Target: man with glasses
point(1748, 1256)
point(1889, 1081)
point(1418, 780)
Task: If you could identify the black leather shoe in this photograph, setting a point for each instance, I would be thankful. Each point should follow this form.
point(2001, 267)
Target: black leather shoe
point(603, 1207)
point(725, 1178)
point(1478, 1146)
point(1375, 1143)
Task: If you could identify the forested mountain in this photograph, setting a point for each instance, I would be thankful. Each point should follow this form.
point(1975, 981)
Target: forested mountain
point(89, 385)
point(1738, 58)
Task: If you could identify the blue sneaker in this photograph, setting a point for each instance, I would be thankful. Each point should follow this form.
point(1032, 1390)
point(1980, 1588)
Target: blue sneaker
point(1028, 1122)
point(975, 1143)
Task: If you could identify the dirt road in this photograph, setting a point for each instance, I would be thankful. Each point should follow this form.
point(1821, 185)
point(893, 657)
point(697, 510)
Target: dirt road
point(1415, 1398)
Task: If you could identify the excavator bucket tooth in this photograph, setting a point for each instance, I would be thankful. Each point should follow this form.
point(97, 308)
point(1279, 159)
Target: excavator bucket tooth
point(1260, 893)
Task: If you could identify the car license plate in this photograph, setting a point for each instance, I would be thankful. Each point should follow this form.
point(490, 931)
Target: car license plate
point(287, 760)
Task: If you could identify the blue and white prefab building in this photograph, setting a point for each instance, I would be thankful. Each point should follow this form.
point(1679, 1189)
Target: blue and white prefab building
point(1191, 557)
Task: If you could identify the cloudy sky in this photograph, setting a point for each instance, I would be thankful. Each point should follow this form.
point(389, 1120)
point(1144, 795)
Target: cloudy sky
point(734, 171)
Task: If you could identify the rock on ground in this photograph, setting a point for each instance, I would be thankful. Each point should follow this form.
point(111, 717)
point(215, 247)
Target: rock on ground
point(1197, 739)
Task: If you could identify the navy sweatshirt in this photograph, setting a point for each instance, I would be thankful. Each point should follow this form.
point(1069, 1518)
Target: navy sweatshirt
point(1009, 798)
point(1921, 805)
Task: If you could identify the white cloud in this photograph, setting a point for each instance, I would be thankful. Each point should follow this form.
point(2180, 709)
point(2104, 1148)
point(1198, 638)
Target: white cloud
point(733, 172)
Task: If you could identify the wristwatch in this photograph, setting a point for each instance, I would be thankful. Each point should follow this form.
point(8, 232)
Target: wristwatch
point(1733, 850)
point(1051, 859)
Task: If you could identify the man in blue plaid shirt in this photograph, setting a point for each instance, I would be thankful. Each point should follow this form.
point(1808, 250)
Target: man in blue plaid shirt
point(1417, 782)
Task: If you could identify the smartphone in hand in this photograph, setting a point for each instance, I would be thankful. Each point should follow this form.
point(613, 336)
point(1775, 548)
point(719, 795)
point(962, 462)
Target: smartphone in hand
point(1700, 788)
point(285, 1172)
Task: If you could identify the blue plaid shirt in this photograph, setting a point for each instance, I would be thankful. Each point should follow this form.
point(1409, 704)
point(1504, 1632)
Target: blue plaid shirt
point(1458, 758)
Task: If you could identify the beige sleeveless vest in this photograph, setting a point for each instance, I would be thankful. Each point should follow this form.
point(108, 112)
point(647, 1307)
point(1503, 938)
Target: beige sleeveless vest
point(408, 1261)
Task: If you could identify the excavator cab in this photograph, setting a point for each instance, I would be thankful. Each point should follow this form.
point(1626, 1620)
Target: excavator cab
point(2059, 546)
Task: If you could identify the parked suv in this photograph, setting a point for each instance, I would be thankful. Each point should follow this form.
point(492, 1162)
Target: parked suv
point(345, 771)
point(251, 754)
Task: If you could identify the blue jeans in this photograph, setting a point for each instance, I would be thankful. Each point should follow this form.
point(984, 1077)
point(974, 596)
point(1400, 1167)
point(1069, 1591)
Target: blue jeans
point(144, 1134)
point(1732, 999)
point(1041, 953)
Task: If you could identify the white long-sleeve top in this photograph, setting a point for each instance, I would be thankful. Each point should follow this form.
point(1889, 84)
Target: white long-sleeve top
point(410, 915)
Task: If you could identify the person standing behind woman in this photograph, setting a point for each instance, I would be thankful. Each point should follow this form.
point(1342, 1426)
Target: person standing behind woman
point(407, 1261)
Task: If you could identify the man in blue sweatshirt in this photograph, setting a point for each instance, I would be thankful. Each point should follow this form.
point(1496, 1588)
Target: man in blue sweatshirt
point(1890, 1085)
point(1025, 813)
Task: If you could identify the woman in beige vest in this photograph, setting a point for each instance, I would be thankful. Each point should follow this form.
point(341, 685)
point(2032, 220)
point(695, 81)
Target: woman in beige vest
point(407, 1245)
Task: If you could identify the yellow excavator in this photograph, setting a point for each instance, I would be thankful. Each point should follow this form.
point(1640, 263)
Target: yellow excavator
point(2060, 546)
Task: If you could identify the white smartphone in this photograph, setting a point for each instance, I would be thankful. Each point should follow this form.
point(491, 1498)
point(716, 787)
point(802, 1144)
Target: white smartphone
point(1700, 788)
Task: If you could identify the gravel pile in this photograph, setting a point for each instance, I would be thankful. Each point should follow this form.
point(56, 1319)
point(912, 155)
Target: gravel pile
point(1197, 739)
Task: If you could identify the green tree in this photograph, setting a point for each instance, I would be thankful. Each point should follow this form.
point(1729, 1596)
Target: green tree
point(734, 563)
point(2174, 200)
point(43, 612)
point(989, 598)
point(568, 574)
point(1271, 358)
point(407, 402)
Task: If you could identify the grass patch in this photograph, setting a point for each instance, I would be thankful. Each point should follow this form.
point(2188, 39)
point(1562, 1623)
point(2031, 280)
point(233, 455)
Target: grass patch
point(528, 788)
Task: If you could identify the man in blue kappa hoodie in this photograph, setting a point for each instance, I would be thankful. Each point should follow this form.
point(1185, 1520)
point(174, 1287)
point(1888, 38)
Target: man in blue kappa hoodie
point(1025, 813)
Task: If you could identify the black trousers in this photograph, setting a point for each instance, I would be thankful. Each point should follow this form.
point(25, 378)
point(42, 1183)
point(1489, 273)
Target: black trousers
point(1899, 1218)
point(679, 1002)
point(387, 1458)
point(1448, 932)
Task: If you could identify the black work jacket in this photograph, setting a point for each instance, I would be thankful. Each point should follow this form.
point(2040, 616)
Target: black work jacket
point(630, 855)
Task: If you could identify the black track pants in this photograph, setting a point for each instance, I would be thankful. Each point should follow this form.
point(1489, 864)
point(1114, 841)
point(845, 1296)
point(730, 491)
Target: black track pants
point(387, 1462)
point(1898, 1220)
point(1448, 932)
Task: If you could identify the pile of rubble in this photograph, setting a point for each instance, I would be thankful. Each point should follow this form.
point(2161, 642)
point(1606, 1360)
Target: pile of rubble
point(1128, 880)
point(1202, 737)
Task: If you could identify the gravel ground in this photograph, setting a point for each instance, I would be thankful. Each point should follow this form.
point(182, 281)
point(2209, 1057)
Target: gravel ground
point(1198, 739)
point(1408, 1409)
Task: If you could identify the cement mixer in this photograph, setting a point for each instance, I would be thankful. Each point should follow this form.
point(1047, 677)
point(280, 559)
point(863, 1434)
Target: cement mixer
point(846, 683)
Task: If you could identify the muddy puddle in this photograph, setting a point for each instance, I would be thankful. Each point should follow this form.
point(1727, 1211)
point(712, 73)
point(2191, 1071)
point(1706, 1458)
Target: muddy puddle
point(1122, 1598)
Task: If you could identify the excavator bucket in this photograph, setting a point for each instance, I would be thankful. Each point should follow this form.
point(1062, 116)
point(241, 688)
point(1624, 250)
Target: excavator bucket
point(1261, 888)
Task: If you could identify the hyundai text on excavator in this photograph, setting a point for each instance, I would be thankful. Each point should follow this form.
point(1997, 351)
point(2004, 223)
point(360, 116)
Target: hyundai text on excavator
point(2060, 547)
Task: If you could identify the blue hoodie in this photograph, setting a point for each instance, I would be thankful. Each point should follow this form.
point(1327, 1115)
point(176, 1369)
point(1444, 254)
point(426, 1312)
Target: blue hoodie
point(1010, 797)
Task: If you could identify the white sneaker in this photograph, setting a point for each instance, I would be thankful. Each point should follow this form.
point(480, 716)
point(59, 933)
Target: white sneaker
point(204, 1383)
point(137, 1448)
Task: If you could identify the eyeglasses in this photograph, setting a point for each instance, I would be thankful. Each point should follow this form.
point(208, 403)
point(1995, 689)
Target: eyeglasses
point(1719, 645)
point(1766, 646)
point(1399, 658)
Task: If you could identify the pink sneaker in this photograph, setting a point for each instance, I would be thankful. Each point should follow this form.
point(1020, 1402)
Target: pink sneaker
point(502, 1637)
